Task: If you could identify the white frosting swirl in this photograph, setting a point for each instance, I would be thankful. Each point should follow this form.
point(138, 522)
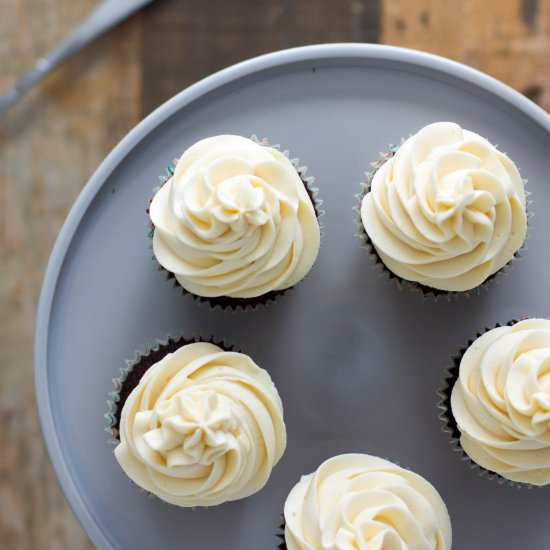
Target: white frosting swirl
point(448, 210)
point(234, 220)
point(357, 501)
point(202, 427)
point(501, 401)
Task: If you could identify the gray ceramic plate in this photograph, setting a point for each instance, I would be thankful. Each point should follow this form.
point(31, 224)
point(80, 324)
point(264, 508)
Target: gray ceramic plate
point(357, 362)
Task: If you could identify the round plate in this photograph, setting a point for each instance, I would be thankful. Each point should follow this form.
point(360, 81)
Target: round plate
point(356, 361)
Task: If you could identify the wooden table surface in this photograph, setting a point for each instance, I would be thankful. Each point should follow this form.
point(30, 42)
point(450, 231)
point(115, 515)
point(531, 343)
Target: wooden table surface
point(51, 142)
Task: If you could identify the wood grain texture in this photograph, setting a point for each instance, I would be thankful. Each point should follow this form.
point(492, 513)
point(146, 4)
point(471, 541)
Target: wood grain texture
point(508, 39)
point(195, 41)
point(52, 141)
point(49, 145)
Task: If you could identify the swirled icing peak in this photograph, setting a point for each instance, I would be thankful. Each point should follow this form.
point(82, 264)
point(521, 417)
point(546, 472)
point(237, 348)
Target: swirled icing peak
point(447, 210)
point(202, 427)
point(234, 220)
point(501, 401)
point(357, 501)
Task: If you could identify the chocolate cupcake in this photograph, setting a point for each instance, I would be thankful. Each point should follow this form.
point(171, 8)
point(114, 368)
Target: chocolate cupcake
point(235, 223)
point(362, 501)
point(443, 212)
point(196, 424)
point(495, 403)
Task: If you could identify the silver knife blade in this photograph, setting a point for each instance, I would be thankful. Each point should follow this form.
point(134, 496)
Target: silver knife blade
point(108, 14)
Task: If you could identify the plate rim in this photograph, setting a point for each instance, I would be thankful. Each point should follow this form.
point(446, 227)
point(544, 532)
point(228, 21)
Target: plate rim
point(390, 54)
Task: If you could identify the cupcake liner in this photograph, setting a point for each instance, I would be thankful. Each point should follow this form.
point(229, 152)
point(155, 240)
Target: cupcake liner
point(449, 425)
point(245, 304)
point(280, 534)
point(414, 286)
point(135, 368)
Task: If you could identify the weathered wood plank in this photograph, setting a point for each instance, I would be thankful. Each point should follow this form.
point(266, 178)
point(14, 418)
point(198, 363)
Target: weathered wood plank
point(194, 42)
point(509, 40)
point(49, 145)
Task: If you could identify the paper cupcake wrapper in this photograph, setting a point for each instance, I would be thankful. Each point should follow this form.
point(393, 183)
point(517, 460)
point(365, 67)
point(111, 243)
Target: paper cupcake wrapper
point(414, 286)
point(130, 375)
point(246, 304)
point(449, 425)
point(280, 534)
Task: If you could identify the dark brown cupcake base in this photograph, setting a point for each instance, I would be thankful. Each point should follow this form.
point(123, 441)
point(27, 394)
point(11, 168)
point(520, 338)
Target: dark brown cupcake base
point(427, 290)
point(226, 302)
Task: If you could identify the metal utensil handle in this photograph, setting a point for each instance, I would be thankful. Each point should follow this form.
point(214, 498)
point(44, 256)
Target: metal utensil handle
point(103, 18)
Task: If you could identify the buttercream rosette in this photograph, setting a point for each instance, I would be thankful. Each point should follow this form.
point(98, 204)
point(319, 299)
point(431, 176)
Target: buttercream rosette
point(235, 223)
point(357, 501)
point(444, 211)
point(196, 424)
point(496, 403)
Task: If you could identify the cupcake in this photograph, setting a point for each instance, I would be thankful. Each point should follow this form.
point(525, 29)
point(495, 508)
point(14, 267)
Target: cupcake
point(445, 211)
point(197, 425)
point(496, 405)
point(361, 501)
point(235, 224)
